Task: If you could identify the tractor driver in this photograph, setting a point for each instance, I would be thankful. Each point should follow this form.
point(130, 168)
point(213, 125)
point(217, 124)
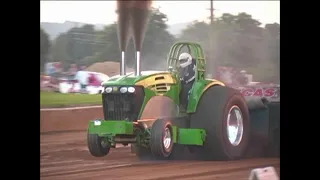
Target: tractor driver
point(187, 76)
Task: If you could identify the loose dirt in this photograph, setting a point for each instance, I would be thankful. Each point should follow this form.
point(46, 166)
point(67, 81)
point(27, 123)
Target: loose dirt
point(64, 155)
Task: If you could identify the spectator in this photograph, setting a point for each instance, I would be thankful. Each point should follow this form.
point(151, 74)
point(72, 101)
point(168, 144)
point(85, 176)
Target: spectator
point(72, 70)
point(71, 75)
point(242, 78)
point(227, 77)
point(83, 68)
point(50, 69)
point(83, 79)
point(58, 69)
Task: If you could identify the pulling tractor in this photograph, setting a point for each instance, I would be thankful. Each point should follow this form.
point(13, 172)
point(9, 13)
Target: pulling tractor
point(218, 123)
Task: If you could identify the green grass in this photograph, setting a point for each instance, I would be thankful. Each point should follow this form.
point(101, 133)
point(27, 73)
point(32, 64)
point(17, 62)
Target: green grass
point(53, 99)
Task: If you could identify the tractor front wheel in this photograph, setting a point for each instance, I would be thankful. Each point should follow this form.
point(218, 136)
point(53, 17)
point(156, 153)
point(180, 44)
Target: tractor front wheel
point(97, 146)
point(161, 142)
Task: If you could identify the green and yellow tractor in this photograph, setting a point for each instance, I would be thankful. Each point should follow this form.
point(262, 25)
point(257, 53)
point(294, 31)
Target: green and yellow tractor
point(217, 123)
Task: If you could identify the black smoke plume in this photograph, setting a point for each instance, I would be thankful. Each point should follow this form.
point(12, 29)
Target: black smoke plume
point(124, 23)
point(140, 11)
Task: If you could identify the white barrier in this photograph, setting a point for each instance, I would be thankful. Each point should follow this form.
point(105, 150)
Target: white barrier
point(267, 173)
point(70, 108)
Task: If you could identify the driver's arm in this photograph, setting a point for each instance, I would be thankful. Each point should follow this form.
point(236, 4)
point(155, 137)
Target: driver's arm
point(191, 72)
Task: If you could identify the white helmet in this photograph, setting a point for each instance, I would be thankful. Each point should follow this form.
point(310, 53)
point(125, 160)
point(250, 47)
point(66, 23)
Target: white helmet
point(185, 59)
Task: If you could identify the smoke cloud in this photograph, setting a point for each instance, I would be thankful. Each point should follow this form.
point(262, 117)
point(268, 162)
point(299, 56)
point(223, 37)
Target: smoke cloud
point(140, 16)
point(132, 15)
point(124, 23)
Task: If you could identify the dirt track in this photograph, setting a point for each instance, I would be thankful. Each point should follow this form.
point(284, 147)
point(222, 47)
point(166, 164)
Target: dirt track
point(64, 155)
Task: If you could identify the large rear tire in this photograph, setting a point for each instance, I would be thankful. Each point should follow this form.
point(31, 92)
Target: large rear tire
point(219, 112)
point(97, 146)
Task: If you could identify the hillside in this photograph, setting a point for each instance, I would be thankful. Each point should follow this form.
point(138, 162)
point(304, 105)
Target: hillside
point(54, 29)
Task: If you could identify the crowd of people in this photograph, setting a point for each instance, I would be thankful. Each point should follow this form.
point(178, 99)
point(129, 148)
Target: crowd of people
point(74, 76)
point(54, 72)
point(55, 69)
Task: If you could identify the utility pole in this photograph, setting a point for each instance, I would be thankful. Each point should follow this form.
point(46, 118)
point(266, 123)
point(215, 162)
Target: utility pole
point(212, 53)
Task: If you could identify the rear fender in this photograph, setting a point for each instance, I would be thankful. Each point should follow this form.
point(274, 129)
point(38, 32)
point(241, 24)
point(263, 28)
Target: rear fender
point(199, 87)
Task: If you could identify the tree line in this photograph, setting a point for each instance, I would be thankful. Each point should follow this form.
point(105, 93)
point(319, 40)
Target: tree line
point(237, 40)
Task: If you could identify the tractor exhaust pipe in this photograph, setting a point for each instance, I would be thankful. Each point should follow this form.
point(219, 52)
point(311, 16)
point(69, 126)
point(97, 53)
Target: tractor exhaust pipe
point(132, 15)
point(138, 70)
point(123, 64)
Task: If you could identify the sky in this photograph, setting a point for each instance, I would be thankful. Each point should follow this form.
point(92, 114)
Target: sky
point(103, 12)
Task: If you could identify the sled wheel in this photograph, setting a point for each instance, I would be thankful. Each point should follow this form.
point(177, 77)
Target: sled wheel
point(97, 146)
point(223, 113)
point(161, 142)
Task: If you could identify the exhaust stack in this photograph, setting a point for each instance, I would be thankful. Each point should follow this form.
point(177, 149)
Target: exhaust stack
point(123, 64)
point(138, 70)
point(132, 15)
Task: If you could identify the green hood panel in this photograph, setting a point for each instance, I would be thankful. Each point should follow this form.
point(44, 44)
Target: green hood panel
point(128, 79)
point(122, 80)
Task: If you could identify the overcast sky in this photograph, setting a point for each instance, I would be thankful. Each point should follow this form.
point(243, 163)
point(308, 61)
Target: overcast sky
point(103, 12)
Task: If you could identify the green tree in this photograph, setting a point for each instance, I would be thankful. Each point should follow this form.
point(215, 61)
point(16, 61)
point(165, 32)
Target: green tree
point(157, 41)
point(272, 38)
point(75, 45)
point(59, 49)
point(240, 42)
point(44, 48)
point(109, 51)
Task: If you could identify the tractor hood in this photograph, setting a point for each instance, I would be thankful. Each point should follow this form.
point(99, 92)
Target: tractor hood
point(121, 80)
point(143, 80)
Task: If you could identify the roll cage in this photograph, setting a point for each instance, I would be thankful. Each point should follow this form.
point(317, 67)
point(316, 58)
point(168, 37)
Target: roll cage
point(196, 52)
